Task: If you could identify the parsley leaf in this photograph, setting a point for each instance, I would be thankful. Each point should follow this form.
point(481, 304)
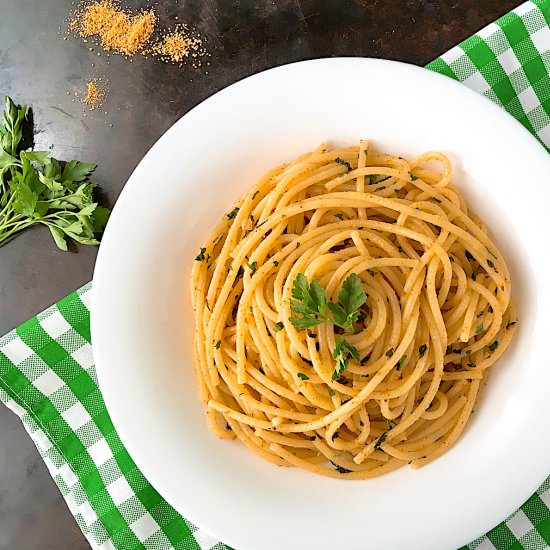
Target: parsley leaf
point(351, 298)
point(342, 352)
point(77, 171)
point(310, 301)
point(200, 256)
point(278, 326)
point(412, 176)
point(302, 376)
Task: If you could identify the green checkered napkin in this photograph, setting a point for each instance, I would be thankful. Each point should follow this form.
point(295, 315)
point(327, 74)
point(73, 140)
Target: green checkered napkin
point(47, 374)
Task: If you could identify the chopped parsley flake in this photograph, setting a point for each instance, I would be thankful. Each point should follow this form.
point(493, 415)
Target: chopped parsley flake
point(389, 422)
point(233, 213)
point(401, 362)
point(380, 440)
point(218, 344)
point(340, 469)
point(422, 350)
point(302, 376)
point(200, 256)
point(253, 266)
point(343, 163)
point(278, 326)
point(492, 347)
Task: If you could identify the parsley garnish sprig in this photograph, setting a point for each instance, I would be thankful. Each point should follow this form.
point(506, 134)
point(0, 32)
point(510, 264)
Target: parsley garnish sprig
point(342, 352)
point(35, 188)
point(311, 304)
point(310, 301)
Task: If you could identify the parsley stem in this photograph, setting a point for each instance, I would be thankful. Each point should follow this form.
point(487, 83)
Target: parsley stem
point(7, 207)
point(9, 220)
point(17, 227)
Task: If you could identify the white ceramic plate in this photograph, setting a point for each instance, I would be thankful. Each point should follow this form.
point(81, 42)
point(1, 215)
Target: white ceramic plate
point(142, 321)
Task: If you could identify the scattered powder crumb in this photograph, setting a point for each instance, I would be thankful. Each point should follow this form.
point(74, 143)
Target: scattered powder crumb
point(117, 29)
point(95, 93)
point(108, 25)
point(175, 46)
point(123, 31)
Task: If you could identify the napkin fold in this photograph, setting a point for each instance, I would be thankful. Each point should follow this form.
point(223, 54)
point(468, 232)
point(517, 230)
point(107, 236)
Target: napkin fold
point(48, 378)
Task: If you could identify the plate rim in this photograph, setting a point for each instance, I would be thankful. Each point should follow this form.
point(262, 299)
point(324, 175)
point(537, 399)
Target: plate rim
point(102, 258)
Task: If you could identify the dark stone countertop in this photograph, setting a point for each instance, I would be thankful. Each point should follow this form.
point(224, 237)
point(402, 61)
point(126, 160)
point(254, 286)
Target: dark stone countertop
point(39, 67)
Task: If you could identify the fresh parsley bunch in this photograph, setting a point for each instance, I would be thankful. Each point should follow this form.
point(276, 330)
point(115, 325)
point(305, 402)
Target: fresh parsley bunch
point(36, 188)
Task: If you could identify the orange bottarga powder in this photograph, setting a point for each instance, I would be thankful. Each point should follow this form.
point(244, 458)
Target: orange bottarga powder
point(116, 29)
point(176, 46)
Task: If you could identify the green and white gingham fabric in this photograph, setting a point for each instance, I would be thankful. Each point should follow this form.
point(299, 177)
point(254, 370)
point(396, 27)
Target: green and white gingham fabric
point(47, 377)
point(47, 374)
point(509, 62)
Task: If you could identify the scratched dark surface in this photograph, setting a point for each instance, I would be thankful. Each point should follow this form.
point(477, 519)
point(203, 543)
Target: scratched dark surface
point(39, 67)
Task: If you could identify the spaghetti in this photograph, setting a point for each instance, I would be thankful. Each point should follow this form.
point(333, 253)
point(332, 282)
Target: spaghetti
point(397, 381)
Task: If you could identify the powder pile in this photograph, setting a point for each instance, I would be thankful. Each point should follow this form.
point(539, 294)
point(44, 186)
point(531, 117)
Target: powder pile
point(95, 94)
point(175, 46)
point(116, 29)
